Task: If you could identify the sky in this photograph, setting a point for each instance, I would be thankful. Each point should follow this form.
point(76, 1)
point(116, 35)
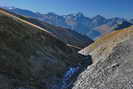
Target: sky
point(107, 8)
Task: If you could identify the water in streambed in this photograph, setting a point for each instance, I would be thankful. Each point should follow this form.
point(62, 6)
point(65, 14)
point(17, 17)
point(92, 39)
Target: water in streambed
point(73, 72)
point(70, 75)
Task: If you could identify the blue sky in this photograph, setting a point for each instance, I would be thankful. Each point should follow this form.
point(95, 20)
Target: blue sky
point(108, 8)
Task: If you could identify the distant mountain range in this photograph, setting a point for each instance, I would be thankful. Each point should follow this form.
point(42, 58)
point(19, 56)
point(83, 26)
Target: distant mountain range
point(69, 37)
point(131, 20)
point(122, 25)
point(92, 27)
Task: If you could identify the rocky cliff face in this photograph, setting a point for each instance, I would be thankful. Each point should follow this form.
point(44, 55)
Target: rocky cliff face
point(112, 66)
point(30, 57)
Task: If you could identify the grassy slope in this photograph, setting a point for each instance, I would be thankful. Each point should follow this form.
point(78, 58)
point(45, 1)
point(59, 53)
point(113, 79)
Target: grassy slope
point(29, 54)
point(105, 44)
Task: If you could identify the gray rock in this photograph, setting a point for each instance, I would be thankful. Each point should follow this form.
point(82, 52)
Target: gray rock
point(110, 72)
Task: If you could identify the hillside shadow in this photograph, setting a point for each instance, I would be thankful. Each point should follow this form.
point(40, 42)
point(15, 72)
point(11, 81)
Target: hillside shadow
point(73, 73)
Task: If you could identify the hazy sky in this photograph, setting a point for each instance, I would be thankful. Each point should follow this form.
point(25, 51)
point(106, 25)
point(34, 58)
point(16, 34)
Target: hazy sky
point(108, 8)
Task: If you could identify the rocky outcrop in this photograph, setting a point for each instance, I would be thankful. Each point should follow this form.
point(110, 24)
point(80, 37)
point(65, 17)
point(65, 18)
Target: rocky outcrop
point(30, 57)
point(112, 66)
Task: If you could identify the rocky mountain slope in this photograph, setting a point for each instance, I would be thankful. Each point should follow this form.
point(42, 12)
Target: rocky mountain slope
point(68, 36)
point(76, 22)
point(30, 56)
point(112, 66)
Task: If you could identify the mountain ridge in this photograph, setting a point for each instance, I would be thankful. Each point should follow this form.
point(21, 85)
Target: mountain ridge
point(77, 22)
point(68, 36)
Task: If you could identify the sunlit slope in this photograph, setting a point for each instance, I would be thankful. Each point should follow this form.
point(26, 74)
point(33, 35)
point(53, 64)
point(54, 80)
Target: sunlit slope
point(114, 36)
point(105, 44)
point(112, 66)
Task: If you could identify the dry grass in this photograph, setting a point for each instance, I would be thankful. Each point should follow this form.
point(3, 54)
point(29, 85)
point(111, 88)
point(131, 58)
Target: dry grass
point(109, 40)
